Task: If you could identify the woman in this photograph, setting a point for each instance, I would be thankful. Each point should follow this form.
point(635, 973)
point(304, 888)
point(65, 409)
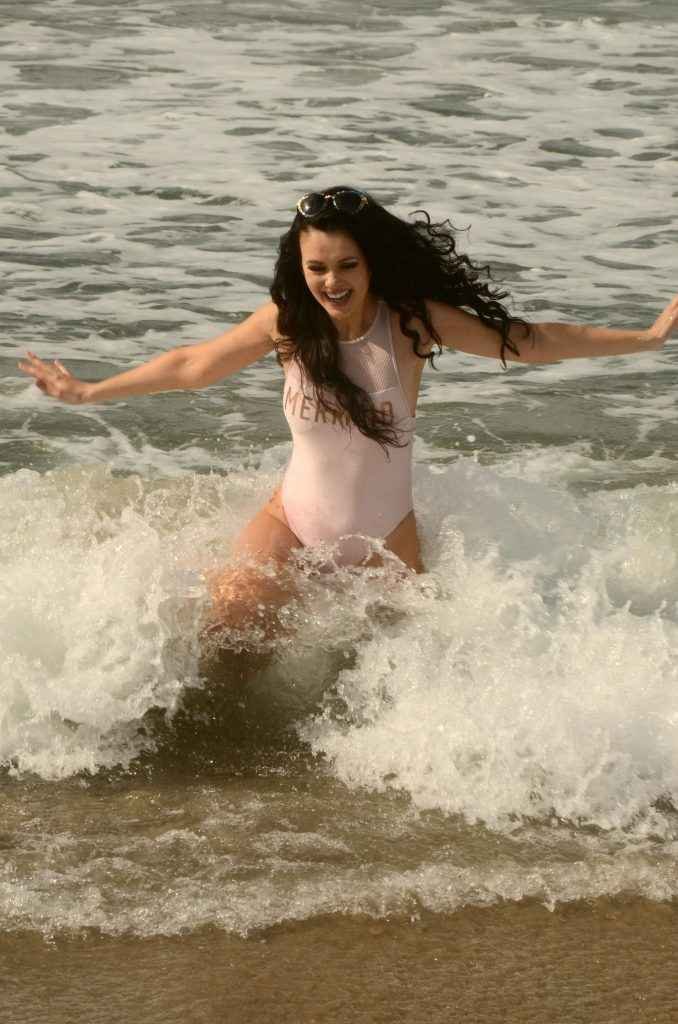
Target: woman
point(361, 300)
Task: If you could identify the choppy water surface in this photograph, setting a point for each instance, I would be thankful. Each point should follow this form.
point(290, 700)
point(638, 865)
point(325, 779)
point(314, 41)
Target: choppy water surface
point(503, 727)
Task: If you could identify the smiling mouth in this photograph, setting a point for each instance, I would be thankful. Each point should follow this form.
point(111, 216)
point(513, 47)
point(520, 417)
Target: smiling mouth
point(337, 297)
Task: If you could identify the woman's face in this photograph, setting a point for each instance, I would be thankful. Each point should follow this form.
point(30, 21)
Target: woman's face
point(336, 273)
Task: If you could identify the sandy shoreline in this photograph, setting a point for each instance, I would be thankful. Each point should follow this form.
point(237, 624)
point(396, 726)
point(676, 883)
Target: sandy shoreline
point(610, 962)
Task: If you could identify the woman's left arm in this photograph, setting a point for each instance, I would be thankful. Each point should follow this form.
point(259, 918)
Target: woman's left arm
point(549, 342)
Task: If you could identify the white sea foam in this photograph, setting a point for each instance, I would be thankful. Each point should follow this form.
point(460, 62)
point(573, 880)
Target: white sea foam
point(95, 626)
point(531, 672)
point(244, 907)
point(540, 676)
point(212, 859)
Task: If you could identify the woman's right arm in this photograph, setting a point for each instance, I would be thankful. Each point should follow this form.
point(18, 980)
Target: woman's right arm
point(189, 367)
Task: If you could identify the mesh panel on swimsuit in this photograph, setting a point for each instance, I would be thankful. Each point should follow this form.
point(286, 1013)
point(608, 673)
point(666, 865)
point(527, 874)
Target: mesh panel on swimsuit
point(369, 363)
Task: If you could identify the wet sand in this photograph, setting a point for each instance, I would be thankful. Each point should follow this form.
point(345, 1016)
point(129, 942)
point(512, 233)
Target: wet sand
point(609, 962)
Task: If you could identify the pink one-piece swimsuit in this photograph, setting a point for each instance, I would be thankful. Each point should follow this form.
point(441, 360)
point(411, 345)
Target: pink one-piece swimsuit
point(340, 486)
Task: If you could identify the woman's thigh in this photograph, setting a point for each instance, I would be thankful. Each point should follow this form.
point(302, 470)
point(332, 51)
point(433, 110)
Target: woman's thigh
point(404, 542)
point(258, 583)
point(267, 538)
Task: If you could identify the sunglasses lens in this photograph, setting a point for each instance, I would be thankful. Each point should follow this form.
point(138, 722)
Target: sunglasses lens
point(348, 201)
point(312, 204)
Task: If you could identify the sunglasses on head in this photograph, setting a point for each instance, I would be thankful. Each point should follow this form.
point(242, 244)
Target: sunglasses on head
point(346, 200)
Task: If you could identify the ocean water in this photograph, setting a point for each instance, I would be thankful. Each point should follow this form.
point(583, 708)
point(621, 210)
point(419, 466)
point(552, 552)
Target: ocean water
point(501, 730)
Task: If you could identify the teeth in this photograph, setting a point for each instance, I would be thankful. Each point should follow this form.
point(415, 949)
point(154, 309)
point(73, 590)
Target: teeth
point(337, 295)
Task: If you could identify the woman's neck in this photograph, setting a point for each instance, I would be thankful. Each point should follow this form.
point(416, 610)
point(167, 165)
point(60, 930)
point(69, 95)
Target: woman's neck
point(358, 323)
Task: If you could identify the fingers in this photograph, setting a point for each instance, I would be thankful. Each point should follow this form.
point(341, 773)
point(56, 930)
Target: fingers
point(31, 368)
point(666, 323)
point(670, 317)
point(53, 379)
point(33, 365)
point(37, 368)
point(47, 376)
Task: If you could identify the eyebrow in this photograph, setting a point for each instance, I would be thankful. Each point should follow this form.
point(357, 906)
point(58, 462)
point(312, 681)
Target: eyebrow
point(344, 259)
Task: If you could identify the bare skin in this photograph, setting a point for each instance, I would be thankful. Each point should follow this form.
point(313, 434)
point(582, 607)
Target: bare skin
point(338, 277)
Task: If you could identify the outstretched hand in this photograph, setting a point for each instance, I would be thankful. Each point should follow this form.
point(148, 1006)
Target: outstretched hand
point(666, 324)
point(54, 379)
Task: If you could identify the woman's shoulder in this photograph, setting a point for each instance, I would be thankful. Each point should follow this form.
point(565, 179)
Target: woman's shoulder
point(416, 323)
point(283, 346)
point(265, 318)
point(263, 321)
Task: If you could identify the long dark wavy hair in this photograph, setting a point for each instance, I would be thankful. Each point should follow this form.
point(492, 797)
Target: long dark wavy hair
point(408, 263)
